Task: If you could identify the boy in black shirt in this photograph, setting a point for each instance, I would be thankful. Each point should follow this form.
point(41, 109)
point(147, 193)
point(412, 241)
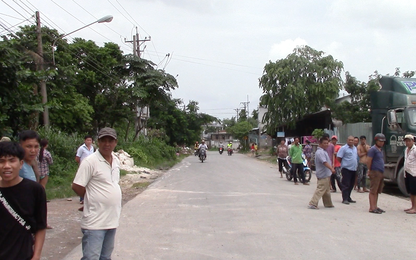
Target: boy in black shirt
point(22, 208)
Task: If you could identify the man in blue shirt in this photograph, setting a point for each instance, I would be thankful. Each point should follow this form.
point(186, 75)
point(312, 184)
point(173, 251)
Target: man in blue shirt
point(347, 155)
point(29, 141)
point(375, 164)
point(323, 172)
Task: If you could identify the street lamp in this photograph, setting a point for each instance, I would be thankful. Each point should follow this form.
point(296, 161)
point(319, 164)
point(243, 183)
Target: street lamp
point(105, 19)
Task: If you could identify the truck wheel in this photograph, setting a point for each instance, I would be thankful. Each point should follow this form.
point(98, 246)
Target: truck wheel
point(401, 183)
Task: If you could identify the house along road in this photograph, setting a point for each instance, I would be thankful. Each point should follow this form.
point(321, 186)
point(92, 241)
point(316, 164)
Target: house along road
point(237, 207)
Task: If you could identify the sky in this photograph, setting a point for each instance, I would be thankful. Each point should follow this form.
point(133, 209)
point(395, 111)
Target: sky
point(217, 49)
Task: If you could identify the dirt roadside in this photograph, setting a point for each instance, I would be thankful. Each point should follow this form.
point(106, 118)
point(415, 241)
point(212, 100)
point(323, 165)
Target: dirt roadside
point(64, 217)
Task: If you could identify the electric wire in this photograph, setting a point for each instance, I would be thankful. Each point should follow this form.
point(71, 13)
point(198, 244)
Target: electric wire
point(22, 8)
point(14, 9)
point(16, 25)
point(11, 16)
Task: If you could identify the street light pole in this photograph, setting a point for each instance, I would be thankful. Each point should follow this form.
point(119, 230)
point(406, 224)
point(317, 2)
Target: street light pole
point(105, 19)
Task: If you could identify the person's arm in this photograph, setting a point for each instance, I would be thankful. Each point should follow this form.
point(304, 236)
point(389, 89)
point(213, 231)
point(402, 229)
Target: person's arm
point(369, 163)
point(49, 158)
point(361, 151)
point(79, 190)
point(39, 240)
point(327, 165)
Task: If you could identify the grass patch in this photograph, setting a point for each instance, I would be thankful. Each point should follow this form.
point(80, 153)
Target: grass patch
point(140, 185)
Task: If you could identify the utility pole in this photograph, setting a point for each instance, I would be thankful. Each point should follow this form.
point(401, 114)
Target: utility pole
point(39, 67)
point(137, 43)
point(237, 109)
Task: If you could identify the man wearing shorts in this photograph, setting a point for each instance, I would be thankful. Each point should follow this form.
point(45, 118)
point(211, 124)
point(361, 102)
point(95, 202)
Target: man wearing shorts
point(375, 164)
point(410, 171)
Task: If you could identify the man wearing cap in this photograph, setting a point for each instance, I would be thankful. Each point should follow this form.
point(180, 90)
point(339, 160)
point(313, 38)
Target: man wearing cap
point(375, 165)
point(97, 180)
point(410, 171)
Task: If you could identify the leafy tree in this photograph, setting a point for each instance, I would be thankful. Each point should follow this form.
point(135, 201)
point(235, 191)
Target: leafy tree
point(242, 115)
point(240, 131)
point(228, 122)
point(255, 114)
point(300, 84)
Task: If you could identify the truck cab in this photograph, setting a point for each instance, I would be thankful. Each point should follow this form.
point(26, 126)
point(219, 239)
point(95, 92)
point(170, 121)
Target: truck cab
point(393, 111)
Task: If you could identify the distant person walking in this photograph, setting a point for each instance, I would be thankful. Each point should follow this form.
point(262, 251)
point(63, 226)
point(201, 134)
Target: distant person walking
point(347, 156)
point(44, 160)
point(295, 154)
point(323, 172)
point(85, 150)
point(282, 153)
point(375, 164)
point(97, 180)
point(307, 151)
point(410, 171)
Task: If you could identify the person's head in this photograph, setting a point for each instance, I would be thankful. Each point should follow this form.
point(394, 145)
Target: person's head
point(43, 143)
point(326, 135)
point(409, 140)
point(88, 140)
point(363, 140)
point(323, 142)
point(308, 142)
point(350, 141)
point(107, 141)
point(282, 142)
point(203, 141)
point(356, 141)
point(334, 139)
point(29, 140)
point(296, 140)
point(289, 142)
point(379, 140)
point(11, 161)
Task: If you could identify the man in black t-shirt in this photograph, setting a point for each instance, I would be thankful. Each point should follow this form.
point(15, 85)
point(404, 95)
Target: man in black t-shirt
point(22, 208)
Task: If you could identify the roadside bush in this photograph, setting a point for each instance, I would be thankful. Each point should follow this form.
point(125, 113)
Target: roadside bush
point(151, 153)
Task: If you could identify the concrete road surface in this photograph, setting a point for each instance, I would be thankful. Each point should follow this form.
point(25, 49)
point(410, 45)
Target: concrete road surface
point(237, 207)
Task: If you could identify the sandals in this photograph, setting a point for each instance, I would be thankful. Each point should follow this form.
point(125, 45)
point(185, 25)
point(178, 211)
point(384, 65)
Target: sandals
point(381, 210)
point(376, 211)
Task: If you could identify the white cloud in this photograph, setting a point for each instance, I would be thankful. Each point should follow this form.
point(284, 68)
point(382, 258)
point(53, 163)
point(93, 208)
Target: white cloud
point(284, 48)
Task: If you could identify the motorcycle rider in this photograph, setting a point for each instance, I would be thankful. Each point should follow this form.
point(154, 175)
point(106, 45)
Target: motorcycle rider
point(203, 146)
point(230, 146)
point(221, 146)
point(196, 147)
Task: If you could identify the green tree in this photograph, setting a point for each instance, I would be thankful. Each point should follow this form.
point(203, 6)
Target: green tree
point(255, 114)
point(300, 84)
point(240, 131)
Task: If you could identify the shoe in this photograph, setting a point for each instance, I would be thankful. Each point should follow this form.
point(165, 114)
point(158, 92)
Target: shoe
point(360, 191)
point(381, 210)
point(411, 212)
point(305, 183)
point(333, 191)
point(345, 202)
point(329, 206)
point(81, 209)
point(310, 206)
point(351, 201)
point(375, 211)
point(48, 227)
point(366, 190)
point(296, 183)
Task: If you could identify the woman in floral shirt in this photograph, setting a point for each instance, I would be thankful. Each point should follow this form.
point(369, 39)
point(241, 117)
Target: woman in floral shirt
point(307, 151)
point(44, 160)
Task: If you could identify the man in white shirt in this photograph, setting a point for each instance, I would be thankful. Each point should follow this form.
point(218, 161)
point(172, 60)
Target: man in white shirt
point(97, 180)
point(410, 171)
point(85, 150)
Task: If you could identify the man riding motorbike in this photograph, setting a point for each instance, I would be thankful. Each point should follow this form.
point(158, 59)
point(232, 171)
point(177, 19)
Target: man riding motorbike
point(203, 146)
point(230, 148)
point(221, 148)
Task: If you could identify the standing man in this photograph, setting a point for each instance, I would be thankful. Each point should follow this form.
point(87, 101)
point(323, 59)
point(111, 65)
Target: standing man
point(337, 166)
point(29, 140)
point(85, 149)
point(324, 170)
point(362, 150)
point(22, 208)
point(375, 163)
point(97, 180)
point(410, 171)
point(295, 154)
point(347, 156)
point(282, 152)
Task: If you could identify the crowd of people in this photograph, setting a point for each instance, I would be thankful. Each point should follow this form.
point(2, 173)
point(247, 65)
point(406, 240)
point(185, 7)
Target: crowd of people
point(24, 173)
point(347, 167)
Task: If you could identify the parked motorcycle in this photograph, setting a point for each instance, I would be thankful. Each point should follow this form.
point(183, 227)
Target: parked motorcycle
point(221, 150)
point(202, 154)
point(306, 170)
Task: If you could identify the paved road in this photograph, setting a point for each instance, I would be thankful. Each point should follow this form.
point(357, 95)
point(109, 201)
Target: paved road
point(239, 208)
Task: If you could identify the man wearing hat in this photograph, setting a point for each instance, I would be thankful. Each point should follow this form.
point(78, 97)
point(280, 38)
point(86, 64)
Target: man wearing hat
point(375, 164)
point(97, 180)
point(410, 171)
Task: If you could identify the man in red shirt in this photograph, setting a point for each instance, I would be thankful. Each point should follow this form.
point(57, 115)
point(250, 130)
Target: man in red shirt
point(337, 166)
